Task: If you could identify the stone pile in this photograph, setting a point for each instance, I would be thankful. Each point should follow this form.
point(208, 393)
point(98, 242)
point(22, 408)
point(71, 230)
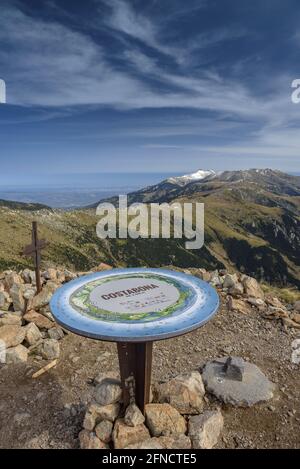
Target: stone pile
point(26, 323)
point(27, 326)
point(180, 415)
point(244, 293)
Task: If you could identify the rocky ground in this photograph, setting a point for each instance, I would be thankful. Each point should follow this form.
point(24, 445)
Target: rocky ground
point(49, 411)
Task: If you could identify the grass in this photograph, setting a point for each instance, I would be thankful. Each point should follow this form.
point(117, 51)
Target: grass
point(289, 295)
point(228, 218)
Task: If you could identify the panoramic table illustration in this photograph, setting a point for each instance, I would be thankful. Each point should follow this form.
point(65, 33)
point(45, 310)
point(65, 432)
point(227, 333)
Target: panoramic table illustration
point(134, 307)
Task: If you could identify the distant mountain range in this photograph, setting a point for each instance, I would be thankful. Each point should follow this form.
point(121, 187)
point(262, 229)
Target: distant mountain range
point(252, 218)
point(252, 224)
point(256, 181)
point(23, 206)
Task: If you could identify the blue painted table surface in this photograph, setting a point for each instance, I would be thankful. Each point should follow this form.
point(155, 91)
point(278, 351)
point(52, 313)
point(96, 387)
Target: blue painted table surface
point(134, 305)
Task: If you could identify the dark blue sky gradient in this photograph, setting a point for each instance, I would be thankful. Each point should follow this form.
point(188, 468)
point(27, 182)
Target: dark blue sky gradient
point(157, 86)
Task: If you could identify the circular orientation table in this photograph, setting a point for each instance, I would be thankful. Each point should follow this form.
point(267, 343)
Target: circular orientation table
point(134, 307)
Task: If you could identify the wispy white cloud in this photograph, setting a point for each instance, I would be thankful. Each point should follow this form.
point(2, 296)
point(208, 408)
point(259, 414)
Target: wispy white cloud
point(50, 64)
point(278, 144)
point(143, 63)
point(123, 18)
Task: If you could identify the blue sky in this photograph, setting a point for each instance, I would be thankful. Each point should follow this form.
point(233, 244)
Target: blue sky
point(148, 86)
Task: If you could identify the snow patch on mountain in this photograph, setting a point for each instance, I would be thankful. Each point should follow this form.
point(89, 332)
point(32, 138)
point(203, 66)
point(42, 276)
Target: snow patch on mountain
point(199, 175)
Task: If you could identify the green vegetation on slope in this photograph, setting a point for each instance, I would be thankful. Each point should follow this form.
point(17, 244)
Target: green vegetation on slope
point(249, 226)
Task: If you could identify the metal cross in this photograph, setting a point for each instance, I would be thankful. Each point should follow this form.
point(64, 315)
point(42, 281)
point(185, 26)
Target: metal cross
point(34, 250)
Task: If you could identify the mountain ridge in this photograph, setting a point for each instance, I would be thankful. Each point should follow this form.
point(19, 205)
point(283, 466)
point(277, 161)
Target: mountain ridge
point(252, 225)
point(252, 219)
point(30, 206)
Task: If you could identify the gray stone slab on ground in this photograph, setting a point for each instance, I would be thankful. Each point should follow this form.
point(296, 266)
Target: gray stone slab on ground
point(253, 388)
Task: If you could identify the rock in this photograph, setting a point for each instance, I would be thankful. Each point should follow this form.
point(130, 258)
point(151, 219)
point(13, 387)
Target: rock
point(12, 279)
point(123, 435)
point(252, 288)
point(296, 306)
point(42, 299)
point(45, 312)
point(12, 335)
point(107, 375)
point(235, 368)
point(104, 430)
point(29, 293)
point(108, 412)
point(149, 443)
point(5, 301)
point(16, 293)
point(61, 278)
point(32, 334)
point(295, 359)
point(236, 290)
point(2, 352)
point(102, 266)
point(296, 344)
point(69, 275)
point(290, 323)
point(38, 319)
point(18, 354)
point(56, 333)
point(215, 279)
point(133, 416)
point(88, 440)
point(175, 442)
point(277, 312)
point(295, 317)
point(10, 319)
point(258, 302)
point(163, 419)
point(51, 286)
point(275, 302)
point(184, 392)
point(238, 305)
point(163, 442)
point(28, 276)
point(49, 349)
point(108, 391)
point(230, 280)
point(84, 274)
point(205, 429)
point(203, 274)
point(74, 359)
point(253, 388)
point(21, 417)
point(50, 274)
point(187, 271)
point(89, 421)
